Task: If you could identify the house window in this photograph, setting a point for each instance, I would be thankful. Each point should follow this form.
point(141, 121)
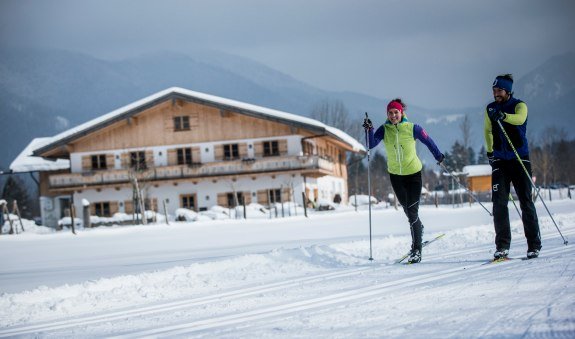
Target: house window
point(99, 162)
point(138, 160)
point(102, 209)
point(274, 195)
point(232, 201)
point(231, 152)
point(184, 156)
point(271, 148)
point(188, 201)
point(182, 123)
point(307, 148)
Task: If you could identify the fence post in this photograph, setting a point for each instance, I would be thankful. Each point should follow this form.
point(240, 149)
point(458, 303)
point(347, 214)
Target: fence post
point(165, 211)
point(304, 203)
point(7, 214)
point(86, 215)
point(17, 211)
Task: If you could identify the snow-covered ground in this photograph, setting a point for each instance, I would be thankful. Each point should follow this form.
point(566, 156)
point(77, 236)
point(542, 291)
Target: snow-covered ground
point(291, 277)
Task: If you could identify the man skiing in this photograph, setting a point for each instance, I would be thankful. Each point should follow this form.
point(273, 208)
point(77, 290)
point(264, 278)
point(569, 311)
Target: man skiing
point(506, 168)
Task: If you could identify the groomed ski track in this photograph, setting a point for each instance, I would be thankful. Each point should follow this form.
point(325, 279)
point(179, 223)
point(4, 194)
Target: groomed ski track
point(254, 309)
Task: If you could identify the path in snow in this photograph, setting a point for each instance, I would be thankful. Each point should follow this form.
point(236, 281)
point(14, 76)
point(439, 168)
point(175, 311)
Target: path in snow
point(452, 293)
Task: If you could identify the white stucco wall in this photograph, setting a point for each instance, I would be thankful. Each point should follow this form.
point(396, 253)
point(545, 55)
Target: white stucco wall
point(206, 191)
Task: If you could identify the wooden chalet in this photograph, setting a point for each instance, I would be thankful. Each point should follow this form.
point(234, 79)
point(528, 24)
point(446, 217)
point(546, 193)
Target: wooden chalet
point(192, 150)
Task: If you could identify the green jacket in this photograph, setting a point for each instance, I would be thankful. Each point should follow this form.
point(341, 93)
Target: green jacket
point(400, 148)
point(399, 143)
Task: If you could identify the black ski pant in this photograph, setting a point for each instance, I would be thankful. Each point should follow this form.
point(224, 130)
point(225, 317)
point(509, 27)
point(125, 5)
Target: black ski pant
point(505, 172)
point(407, 189)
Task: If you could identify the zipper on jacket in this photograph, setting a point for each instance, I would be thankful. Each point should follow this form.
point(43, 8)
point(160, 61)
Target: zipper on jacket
point(398, 150)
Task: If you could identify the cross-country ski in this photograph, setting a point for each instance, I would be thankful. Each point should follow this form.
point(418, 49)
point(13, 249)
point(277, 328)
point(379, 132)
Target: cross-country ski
point(423, 244)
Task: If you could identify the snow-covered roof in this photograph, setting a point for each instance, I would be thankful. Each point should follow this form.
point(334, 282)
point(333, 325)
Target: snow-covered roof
point(477, 170)
point(177, 92)
point(27, 162)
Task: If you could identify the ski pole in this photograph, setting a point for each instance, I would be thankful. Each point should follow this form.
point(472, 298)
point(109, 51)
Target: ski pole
point(368, 188)
point(465, 187)
point(530, 179)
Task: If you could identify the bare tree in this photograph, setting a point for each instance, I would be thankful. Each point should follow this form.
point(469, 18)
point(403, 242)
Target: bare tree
point(466, 131)
point(335, 114)
point(466, 134)
point(543, 155)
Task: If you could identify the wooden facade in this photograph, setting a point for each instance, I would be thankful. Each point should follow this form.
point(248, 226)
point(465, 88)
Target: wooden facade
point(179, 139)
point(478, 177)
point(479, 183)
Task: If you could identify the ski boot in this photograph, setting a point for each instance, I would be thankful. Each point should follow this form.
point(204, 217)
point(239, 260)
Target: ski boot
point(414, 257)
point(500, 254)
point(532, 254)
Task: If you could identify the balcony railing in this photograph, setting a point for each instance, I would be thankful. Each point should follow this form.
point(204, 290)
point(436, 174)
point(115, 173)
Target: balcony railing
point(214, 169)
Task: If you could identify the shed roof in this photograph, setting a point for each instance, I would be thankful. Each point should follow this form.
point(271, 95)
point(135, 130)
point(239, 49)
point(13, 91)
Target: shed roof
point(477, 170)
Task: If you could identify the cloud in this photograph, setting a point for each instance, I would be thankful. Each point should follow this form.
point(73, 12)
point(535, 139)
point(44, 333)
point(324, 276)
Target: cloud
point(435, 52)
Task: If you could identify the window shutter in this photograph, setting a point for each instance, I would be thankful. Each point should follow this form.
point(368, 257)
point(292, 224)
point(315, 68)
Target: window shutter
point(223, 199)
point(258, 149)
point(283, 147)
point(172, 157)
point(196, 157)
point(86, 163)
point(219, 152)
point(243, 150)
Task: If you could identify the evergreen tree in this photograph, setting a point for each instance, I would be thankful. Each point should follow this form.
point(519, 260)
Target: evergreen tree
point(14, 189)
point(380, 183)
point(471, 156)
point(459, 157)
point(482, 156)
point(448, 162)
point(431, 179)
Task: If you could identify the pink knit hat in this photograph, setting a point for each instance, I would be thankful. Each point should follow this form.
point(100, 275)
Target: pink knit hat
point(396, 105)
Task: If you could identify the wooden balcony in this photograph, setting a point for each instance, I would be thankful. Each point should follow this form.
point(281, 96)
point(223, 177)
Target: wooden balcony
point(313, 166)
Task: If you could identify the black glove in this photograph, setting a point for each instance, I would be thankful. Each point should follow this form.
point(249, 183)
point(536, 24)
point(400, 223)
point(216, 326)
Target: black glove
point(496, 115)
point(441, 159)
point(491, 158)
point(367, 123)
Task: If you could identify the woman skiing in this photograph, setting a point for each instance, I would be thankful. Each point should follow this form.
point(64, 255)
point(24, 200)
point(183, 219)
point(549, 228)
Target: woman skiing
point(404, 167)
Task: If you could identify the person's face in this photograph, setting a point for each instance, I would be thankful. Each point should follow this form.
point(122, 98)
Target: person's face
point(394, 116)
point(500, 95)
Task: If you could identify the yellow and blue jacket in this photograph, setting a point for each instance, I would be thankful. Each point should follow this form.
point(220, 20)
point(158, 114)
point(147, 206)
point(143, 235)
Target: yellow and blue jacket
point(515, 124)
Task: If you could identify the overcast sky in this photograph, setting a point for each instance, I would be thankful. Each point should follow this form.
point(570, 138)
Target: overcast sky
point(442, 53)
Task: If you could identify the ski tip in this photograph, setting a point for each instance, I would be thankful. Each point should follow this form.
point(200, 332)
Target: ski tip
point(495, 261)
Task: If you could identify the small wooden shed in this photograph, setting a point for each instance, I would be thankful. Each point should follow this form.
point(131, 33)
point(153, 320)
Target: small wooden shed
point(478, 177)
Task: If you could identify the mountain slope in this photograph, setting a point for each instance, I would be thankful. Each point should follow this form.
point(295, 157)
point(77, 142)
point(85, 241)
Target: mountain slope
point(549, 91)
point(43, 92)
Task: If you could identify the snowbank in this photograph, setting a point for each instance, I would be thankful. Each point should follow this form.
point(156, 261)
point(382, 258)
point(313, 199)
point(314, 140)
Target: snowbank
point(358, 200)
point(29, 226)
point(314, 272)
